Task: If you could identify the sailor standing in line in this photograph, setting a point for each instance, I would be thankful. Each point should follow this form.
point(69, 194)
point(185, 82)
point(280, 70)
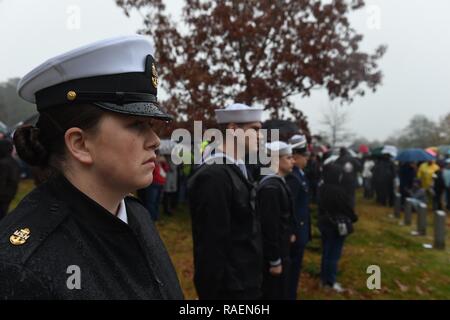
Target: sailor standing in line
point(226, 230)
point(274, 205)
point(299, 186)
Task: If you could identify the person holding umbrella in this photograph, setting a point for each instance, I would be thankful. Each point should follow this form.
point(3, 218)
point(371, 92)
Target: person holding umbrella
point(408, 169)
point(425, 175)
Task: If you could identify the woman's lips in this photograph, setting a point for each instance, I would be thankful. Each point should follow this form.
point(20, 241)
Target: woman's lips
point(150, 162)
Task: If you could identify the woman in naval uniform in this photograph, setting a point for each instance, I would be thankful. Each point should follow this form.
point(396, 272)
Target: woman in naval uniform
point(274, 204)
point(78, 235)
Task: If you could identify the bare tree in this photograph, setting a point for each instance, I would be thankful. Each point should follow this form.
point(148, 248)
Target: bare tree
point(422, 132)
point(444, 129)
point(12, 108)
point(335, 119)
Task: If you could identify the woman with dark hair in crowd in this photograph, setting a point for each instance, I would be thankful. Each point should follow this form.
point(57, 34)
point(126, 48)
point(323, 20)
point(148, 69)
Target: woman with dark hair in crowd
point(79, 235)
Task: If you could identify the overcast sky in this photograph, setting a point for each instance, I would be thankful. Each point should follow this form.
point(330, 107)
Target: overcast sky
point(416, 67)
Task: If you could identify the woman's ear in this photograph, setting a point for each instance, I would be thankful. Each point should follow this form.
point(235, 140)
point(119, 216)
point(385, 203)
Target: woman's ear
point(75, 139)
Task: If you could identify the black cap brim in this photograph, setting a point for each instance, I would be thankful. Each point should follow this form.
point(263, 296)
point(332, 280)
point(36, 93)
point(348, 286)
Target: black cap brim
point(144, 109)
point(301, 151)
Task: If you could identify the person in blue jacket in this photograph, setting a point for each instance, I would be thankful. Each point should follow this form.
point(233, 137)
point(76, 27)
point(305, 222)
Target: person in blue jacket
point(299, 186)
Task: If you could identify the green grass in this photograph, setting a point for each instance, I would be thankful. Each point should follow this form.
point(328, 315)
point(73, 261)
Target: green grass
point(408, 271)
point(25, 186)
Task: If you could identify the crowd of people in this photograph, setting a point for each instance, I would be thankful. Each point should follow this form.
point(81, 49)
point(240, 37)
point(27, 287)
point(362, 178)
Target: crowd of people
point(272, 217)
point(249, 239)
point(424, 181)
point(250, 231)
point(282, 213)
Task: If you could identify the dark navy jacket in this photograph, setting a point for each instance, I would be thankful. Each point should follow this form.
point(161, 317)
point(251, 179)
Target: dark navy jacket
point(57, 227)
point(299, 185)
point(226, 233)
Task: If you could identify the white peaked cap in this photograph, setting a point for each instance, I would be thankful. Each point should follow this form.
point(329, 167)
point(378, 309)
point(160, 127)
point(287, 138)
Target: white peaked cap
point(298, 141)
point(238, 113)
point(118, 74)
point(111, 56)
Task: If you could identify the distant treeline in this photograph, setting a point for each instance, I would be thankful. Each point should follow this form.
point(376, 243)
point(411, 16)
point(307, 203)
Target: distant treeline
point(13, 108)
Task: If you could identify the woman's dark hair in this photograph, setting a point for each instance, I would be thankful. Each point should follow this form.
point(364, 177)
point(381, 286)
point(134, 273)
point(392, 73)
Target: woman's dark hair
point(43, 145)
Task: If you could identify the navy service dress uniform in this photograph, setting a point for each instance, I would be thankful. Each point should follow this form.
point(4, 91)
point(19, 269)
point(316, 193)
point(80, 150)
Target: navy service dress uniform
point(57, 227)
point(274, 204)
point(59, 243)
point(226, 230)
point(299, 186)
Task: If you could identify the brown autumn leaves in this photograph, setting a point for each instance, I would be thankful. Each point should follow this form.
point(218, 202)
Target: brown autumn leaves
point(258, 52)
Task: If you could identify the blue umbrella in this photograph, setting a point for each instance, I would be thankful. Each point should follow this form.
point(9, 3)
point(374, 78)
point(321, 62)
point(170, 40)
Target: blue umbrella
point(414, 155)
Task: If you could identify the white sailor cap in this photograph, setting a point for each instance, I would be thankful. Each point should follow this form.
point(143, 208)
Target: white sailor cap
point(238, 113)
point(117, 74)
point(298, 142)
point(279, 146)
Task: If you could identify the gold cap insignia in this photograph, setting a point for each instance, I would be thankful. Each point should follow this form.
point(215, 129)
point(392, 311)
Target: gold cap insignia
point(71, 95)
point(19, 237)
point(154, 76)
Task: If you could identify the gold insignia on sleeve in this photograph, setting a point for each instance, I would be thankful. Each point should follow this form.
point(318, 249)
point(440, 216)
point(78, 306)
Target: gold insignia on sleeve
point(19, 237)
point(154, 76)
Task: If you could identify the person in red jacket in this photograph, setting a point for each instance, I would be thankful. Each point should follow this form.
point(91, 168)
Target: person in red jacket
point(151, 196)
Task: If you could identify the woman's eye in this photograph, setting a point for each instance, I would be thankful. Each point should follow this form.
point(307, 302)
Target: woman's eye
point(142, 125)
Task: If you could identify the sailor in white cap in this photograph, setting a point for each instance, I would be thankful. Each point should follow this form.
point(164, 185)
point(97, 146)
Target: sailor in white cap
point(78, 235)
point(226, 231)
point(279, 151)
point(299, 186)
point(298, 142)
point(274, 204)
point(238, 113)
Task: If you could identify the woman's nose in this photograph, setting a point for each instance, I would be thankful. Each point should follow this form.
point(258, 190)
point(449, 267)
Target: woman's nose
point(152, 141)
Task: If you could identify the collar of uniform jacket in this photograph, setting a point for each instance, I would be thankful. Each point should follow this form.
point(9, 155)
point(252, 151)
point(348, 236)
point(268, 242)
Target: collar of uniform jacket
point(122, 212)
point(238, 162)
point(86, 209)
point(272, 175)
point(298, 171)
